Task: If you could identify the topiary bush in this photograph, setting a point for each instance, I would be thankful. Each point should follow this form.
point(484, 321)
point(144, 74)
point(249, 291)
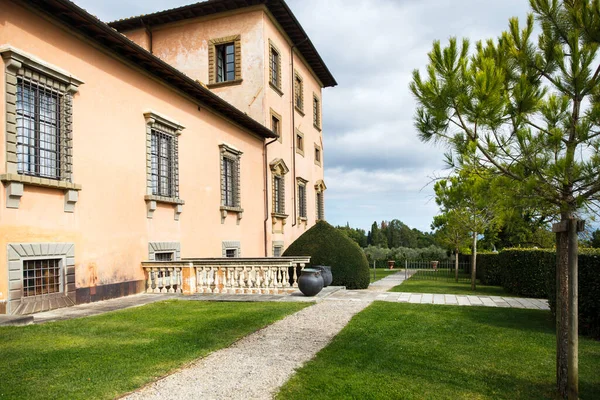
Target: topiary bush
point(327, 246)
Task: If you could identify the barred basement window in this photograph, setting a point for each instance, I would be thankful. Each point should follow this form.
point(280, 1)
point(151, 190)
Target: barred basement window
point(43, 134)
point(166, 256)
point(163, 154)
point(231, 253)
point(42, 277)
point(279, 195)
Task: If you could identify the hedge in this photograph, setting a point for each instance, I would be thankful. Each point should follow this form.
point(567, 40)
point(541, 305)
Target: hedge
point(532, 273)
point(328, 246)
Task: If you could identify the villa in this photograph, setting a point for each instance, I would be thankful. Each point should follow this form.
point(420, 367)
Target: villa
point(192, 133)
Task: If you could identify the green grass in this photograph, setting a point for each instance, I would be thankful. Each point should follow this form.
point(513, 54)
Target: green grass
point(445, 286)
point(415, 351)
point(104, 356)
point(382, 273)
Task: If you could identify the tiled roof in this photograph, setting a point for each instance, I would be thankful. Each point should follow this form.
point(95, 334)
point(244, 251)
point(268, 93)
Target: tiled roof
point(278, 8)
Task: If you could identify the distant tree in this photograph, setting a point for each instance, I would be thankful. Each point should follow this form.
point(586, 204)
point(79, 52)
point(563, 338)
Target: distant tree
point(452, 232)
point(377, 236)
point(356, 234)
point(595, 239)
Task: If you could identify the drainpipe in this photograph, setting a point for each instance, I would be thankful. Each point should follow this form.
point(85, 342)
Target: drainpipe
point(266, 175)
point(292, 99)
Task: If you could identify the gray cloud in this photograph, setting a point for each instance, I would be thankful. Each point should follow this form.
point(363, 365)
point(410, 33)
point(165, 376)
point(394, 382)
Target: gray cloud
point(376, 167)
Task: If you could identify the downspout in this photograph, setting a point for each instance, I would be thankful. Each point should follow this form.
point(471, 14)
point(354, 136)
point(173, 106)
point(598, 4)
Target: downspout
point(266, 175)
point(292, 99)
point(149, 32)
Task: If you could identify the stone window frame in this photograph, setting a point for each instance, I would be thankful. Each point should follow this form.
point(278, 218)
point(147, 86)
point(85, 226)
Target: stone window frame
point(278, 170)
point(319, 153)
point(164, 247)
point(231, 245)
point(274, 114)
point(302, 203)
point(320, 188)
point(21, 64)
point(317, 112)
point(299, 87)
point(19, 252)
point(278, 244)
point(300, 142)
point(277, 87)
point(230, 152)
point(168, 126)
point(212, 60)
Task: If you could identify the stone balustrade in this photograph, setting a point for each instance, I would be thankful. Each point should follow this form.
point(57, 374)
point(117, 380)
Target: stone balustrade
point(225, 275)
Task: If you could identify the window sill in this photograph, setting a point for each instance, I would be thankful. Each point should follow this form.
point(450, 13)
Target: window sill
point(301, 152)
point(162, 199)
point(216, 85)
point(317, 127)
point(276, 89)
point(232, 209)
point(226, 210)
point(303, 220)
point(278, 215)
point(299, 110)
point(37, 181)
point(318, 163)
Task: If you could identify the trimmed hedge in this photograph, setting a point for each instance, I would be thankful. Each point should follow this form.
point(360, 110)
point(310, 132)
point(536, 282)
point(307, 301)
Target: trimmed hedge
point(532, 273)
point(328, 246)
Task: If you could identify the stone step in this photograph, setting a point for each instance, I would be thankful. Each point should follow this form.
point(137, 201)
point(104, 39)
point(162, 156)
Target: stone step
point(15, 320)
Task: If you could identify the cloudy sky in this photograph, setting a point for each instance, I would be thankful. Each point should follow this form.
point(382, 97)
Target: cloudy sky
point(376, 167)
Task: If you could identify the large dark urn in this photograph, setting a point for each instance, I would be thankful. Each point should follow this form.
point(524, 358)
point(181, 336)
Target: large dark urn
point(326, 274)
point(310, 281)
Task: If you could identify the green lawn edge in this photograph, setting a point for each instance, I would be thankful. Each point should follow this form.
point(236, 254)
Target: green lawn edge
point(415, 351)
point(105, 356)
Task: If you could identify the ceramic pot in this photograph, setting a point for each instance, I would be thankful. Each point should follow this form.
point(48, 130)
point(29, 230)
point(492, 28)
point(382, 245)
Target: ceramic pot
point(310, 282)
point(326, 274)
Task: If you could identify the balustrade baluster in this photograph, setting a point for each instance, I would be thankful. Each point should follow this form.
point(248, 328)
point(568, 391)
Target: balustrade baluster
point(179, 281)
point(286, 277)
point(149, 280)
point(295, 282)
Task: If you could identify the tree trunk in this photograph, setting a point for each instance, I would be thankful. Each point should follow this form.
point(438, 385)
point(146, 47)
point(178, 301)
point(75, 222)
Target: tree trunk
point(562, 311)
point(573, 371)
point(456, 265)
point(474, 261)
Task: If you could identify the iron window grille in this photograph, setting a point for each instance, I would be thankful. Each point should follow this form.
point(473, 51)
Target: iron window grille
point(316, 113)
point(320, 206)
point(298, 93)
point(43, 129)
point(279, 195)
point(231, 253)
point(42, 277)
point(225, 62)
point(230, 171)
point(165, 256)
point(164, 154)
point(302, 200)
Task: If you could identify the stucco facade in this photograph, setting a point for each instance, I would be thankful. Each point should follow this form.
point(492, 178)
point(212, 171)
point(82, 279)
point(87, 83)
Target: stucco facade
point(103, 221)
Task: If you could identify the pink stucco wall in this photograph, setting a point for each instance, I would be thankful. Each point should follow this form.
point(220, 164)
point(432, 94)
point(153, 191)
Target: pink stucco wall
point(110, 228)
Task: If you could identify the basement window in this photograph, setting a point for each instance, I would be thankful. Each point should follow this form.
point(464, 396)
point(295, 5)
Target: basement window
point(42, 277)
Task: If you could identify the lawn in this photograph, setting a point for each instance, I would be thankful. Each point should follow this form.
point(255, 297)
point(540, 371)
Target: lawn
point(416, 351)
point(105, 356)
point(448, 286)
point(381, 273)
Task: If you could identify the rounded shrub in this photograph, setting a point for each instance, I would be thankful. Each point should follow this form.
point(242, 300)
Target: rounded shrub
point(327, 246)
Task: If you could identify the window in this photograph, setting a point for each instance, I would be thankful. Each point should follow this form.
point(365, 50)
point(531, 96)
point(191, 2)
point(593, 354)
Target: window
point(298, 93)
point(276, 124)
point(320, 213)
point(320, 200)
point(302, 199)
point(42, 277)
point(163, 160)
point(225, 62)
point(274, 68)
point(299, 142)
point(316, 112)
point(225, 59)
point(230, 177)
point(231, 253)
point(165, 256)
point(277, 251)
point(279, 195)
point(317, 155)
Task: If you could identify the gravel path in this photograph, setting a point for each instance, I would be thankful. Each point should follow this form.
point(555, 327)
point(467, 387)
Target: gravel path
point(257, 365)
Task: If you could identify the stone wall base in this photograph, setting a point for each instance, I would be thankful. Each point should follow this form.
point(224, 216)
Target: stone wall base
point(110, 291)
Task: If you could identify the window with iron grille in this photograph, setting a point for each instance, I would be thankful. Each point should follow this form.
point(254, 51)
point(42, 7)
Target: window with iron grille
point(163, 154)
point(225, 62)
point(320, 206)
point(230, 177)
point(165, 256)
point(316, 112)
point(298, 93)
point(42, 277)
point(43, 134)
point(275, 68)
point(302, 200)
point(278, 195)
point(231, 253)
